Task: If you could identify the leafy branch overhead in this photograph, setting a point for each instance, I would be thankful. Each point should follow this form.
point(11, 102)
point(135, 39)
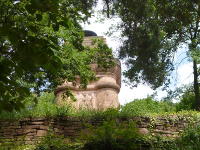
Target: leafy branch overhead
point(153, 30)
point(40, 45)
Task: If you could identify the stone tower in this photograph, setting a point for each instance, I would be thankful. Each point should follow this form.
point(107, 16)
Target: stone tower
point(99, 95)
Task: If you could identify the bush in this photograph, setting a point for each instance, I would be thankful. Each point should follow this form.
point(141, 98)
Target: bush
point(89, 114)
point(141, 107)
point(190, 138)
point(114, 136)
point(12, 144)
point(187, 101)
point(55, 142)
point(185, 96)
point(44, 107)
point(162, 143)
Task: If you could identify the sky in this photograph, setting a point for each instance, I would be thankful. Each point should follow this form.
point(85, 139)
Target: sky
point(181, 76)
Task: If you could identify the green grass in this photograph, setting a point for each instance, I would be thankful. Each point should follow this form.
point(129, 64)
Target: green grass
point(44, 107)
point(147, 106)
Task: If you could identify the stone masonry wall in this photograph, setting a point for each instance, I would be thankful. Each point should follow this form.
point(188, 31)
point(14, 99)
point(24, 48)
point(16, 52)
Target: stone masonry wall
point(29, 130)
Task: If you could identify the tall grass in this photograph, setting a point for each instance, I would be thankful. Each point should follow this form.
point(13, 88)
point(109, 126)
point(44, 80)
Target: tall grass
point(44, 107)
point(147, 106)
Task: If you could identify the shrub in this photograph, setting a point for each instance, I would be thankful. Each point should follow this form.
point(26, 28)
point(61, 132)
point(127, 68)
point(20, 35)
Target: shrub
point(87, 114)
point(57, 142)
point(44, 107)
point(187, 101)
point(190, 138)
point(114, 136)
point(162, 143)
point(141, 107)
point(15, 145)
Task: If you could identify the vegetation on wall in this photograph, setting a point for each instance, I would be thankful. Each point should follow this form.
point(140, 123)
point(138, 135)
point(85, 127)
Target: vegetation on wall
point(55, 142)
point(115, 136)
point(112, 133)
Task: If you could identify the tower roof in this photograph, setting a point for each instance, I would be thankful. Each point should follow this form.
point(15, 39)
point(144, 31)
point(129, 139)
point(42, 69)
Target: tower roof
point(89, 33)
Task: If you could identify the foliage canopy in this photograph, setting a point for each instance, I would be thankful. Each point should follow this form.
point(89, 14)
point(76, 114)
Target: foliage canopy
point(153, 30)
point(40, 45)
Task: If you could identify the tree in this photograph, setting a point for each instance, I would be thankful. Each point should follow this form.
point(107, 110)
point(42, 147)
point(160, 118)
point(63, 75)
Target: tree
point(40, 46)
point(153, 30)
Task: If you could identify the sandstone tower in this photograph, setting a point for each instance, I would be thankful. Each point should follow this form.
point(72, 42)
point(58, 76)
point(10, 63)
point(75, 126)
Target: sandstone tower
point(99, 95)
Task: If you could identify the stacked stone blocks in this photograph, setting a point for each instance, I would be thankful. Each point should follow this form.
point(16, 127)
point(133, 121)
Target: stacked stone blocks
point(31, 130)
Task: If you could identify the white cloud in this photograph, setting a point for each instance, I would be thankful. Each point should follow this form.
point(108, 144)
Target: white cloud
point(127, 94)
point(185, 74)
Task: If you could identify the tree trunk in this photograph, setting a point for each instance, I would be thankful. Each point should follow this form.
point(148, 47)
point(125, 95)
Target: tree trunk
point(196, 86)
